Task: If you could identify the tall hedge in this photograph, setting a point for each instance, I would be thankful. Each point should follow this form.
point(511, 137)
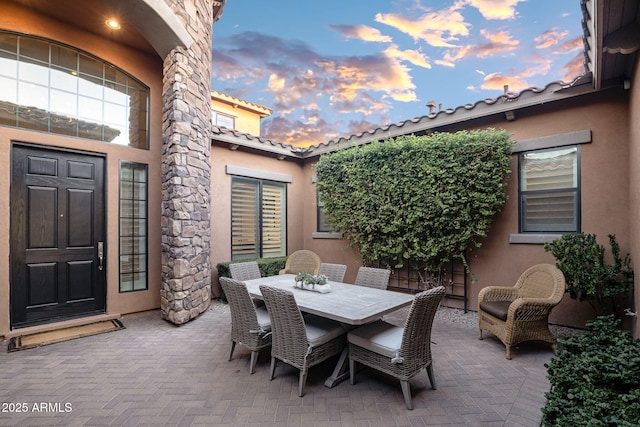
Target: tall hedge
point(422, 199)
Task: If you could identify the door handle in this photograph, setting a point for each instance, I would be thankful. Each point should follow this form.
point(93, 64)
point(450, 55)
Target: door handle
point(100, 255)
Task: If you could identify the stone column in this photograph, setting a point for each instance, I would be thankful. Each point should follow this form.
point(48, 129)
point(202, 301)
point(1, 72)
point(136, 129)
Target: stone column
point(186, 168)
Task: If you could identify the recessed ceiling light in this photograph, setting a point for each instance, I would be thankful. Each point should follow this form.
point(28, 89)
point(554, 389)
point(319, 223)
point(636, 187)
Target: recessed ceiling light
point(113, 24)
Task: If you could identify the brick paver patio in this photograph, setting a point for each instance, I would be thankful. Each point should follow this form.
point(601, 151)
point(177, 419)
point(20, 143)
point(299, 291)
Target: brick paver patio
point(155, 373)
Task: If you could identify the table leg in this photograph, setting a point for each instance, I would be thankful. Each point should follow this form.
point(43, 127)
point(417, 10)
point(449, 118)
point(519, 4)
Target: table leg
point(341, 371)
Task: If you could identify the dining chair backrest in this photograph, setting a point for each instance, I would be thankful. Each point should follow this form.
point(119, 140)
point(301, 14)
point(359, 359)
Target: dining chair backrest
point(298, 341)
point(244, 270)
point(334, 272)
point(249, 326)
point(289, 337)
point(302, 261)
point(416, 338)
point(373, 277)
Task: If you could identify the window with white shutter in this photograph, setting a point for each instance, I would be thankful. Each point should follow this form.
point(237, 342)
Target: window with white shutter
point(258, 219)
point(549, 190)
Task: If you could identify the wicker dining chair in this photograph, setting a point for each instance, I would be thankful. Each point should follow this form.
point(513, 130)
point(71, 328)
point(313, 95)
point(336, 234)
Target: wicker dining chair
point(373, 277)
point(302, 261)
point(334, 272)
point(301, 342)
point(401, 352)
point(250, 325)
point(521, 313)
point(244, 270)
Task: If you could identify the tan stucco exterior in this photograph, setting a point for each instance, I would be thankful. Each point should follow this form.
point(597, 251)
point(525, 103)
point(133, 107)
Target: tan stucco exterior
point(610, 184)
point(246, 115)
point(605, 195)
point(146, 68)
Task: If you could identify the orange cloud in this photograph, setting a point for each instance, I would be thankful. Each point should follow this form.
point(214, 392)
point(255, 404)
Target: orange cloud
point(496, 9)
point(438, 29)
point(497, 81)
point(575, 44)
point(549, 38)
point(362, 32)
point(574, 68)
point(413, 56)
point(498, 42)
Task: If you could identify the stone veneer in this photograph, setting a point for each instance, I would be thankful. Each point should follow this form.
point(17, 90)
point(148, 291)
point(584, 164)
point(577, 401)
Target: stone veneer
point(186, 168)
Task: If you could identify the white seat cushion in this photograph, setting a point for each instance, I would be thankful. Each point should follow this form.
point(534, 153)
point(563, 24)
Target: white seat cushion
point(321, 330)
point(380, 337)
point(263, 318)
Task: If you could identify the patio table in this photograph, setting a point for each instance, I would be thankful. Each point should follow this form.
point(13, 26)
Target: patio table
point(346, 303)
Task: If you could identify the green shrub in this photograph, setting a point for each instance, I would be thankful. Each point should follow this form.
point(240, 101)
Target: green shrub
point(267, 266)
point(589, 278)
point(418, 200)
point(595, 379)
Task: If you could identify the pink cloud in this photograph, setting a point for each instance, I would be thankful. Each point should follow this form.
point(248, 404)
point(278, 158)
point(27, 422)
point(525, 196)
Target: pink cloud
point(496, 9)
point(439, 29)
point(549, 38)
point(497, 81)
point(574, 68)
point(361, 32)
point(410, 55)
point(498, 43)
point(575, 44)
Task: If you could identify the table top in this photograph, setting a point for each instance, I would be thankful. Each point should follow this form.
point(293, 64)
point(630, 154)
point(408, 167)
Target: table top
point(346, 303)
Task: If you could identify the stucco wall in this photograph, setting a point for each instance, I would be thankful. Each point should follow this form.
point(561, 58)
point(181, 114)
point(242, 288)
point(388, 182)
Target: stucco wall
point(245, 121)
point(147, 69)
point(634, 192)
point(221, 157)
point(604, 186)
point(604, 193)
point(605, 196)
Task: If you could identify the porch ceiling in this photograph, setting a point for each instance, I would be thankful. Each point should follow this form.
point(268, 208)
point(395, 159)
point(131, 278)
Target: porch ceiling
point(146, 25)
point(612, 39)
point(91, 17)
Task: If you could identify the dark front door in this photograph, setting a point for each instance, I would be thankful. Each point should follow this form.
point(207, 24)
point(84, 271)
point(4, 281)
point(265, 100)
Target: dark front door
point(57, 235)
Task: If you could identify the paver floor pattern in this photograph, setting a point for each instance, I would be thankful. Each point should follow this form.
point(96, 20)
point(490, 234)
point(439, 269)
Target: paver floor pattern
point(155, 373)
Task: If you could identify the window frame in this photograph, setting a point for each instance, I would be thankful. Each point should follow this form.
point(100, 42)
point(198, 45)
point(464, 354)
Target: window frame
point(259, 234)
point(522, 194)
point(216, 114)
point(116, 90)
point(133, 237)
point(578, 137)
point(322, 226)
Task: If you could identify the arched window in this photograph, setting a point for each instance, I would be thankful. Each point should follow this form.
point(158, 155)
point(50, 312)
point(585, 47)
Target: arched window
point(51, 87)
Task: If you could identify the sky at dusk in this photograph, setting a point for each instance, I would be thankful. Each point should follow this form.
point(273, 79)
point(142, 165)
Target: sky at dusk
point(331, 69)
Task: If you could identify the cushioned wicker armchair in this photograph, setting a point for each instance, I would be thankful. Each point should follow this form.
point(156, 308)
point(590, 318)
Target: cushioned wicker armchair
point(521, 313)
point(302, 342)
point(302, 261)
point(250, 326)
point(399, 352)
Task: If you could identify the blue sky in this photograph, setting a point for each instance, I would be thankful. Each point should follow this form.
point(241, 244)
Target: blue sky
point(335, 68)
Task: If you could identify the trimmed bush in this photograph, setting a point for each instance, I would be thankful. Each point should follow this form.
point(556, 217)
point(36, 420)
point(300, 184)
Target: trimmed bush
point(418, 200)
point(595, 378)
point(267, 266)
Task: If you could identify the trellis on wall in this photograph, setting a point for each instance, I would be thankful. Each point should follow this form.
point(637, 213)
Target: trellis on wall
point(410, 279)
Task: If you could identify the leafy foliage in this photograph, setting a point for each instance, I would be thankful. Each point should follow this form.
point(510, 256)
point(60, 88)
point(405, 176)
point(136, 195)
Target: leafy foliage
point(422, 199)
point(589, 278)
point(595, 379)
point(267, 267)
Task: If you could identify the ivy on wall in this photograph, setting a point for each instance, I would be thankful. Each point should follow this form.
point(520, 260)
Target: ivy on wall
point(418, 199)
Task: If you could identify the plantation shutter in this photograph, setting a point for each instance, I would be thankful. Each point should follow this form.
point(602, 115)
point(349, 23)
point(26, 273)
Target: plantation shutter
point(273, 220)
point(549, 190)
point(245, 216)
point(258, 219)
